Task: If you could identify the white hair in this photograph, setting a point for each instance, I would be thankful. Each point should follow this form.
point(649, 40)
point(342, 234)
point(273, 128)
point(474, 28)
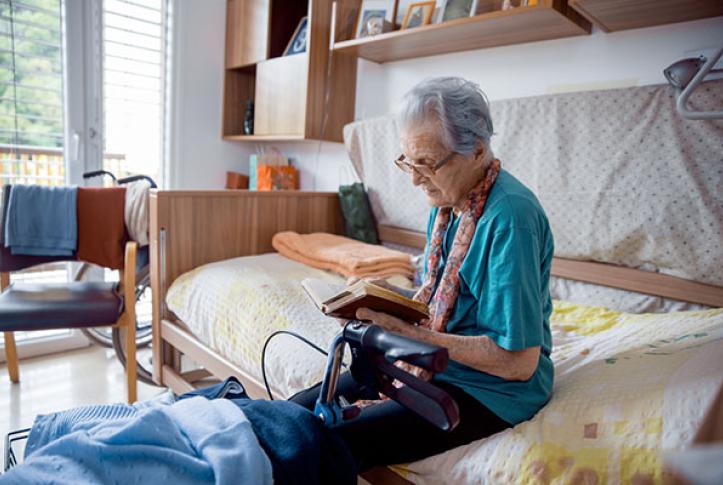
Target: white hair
point(458, 105)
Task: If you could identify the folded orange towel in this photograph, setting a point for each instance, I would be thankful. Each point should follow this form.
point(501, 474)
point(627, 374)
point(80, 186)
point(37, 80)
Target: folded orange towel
point(342, 255)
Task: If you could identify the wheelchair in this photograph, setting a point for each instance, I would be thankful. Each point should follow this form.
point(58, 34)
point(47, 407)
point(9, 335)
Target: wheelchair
point(113, 337)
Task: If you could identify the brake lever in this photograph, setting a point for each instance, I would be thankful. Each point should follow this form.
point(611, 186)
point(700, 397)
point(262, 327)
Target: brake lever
point(420, 396)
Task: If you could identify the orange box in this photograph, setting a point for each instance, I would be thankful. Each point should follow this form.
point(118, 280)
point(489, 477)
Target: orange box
point(276, 177)
point(235, 180)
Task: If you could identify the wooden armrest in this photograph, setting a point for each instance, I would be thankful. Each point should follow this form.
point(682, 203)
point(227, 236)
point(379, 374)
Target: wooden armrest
point(128, 275)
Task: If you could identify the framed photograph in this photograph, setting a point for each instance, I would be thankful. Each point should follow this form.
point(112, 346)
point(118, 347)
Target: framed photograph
point(454, 9)
point(402, 6)
point(418, 14)
point(297, 44)
point(375, 17)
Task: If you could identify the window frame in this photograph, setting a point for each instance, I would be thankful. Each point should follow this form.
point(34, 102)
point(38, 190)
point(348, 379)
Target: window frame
point(82, 60)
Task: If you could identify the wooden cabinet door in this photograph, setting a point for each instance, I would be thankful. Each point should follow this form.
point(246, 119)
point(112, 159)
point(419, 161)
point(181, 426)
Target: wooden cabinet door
point(247, 32)
point(280, 107)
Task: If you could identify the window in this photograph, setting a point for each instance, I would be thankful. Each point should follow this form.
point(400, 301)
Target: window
point(31, 93)
point(133, 82)
point(31, 111)
point(71, 70)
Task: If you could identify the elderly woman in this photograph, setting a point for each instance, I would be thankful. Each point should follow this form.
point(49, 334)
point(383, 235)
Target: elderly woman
point(488, 256)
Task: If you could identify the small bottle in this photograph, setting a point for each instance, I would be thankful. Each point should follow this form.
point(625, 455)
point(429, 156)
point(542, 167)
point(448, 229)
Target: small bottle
point(249, 118)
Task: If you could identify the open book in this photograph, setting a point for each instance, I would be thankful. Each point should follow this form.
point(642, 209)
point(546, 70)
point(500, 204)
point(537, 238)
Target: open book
point(342, 302)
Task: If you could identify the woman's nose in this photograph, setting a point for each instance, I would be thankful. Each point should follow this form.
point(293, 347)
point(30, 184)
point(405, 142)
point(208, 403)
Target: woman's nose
point(416, 178)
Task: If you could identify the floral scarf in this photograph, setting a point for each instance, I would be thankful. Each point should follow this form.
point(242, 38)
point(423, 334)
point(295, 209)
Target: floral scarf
point(441, 303)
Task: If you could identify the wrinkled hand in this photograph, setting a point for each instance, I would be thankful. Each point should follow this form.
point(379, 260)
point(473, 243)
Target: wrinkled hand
point(396, 325)
point(384, 320)
point(364, 403)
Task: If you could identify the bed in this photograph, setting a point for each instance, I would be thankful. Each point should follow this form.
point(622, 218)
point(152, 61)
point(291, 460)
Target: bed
point(634, 196)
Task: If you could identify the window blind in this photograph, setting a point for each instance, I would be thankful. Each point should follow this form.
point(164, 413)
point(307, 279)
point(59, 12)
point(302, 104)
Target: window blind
point(133, 80)
point(31, 92)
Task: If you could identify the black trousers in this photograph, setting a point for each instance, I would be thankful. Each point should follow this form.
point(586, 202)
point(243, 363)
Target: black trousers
point(387, 433)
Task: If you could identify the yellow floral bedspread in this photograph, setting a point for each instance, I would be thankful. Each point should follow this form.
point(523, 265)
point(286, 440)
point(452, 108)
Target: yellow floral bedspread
point(627, 387)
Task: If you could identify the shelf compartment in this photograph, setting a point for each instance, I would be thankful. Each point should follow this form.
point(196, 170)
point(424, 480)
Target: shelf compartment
point(239, 85)
point(285, 17)
point(247, 32)
point(280, 108)
point(551, 19)
point(614, 15)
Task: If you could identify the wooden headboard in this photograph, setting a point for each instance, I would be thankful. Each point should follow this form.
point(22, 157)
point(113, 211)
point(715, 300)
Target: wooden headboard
point(599, 273)
point(193, 228)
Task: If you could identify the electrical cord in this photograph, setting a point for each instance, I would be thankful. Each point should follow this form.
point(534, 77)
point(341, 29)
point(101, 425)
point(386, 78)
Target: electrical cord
point(293, 334)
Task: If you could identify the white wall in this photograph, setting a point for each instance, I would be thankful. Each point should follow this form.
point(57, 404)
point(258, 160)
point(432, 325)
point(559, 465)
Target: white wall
point(198, 157)
point(597, 61)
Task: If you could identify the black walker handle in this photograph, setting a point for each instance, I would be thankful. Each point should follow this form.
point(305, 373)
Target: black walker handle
point(374, 352)
point(396, 347)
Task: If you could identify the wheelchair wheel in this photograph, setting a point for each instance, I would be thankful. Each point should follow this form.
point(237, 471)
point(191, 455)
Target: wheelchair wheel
point(100, 335)
point(144, 330)
point(144, 357)
point(104, 335)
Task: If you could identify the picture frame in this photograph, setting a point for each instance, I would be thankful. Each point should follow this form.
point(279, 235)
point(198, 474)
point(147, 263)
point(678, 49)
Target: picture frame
point(375, 17)
point(298, 41)
point(455, 9)
point(345, 19)
point(402, 6)
point(418, 14)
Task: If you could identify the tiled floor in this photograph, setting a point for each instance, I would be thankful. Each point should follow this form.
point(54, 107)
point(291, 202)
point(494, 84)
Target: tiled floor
point(51, 383)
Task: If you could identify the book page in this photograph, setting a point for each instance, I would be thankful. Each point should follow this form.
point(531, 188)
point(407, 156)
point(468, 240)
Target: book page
point(320, 290)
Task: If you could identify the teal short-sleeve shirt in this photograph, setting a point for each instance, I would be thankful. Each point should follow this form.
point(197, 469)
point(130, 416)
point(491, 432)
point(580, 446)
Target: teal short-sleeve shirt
point(504, 294)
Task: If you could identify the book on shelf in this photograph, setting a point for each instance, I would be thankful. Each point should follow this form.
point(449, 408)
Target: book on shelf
point(342, 301)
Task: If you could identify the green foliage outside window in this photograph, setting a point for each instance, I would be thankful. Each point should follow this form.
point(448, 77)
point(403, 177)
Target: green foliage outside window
point(31, 82)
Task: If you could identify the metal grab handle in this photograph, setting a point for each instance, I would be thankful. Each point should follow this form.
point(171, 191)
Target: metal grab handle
point(682, 102)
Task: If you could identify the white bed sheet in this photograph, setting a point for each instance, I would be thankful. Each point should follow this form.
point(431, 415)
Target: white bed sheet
point(234, 305)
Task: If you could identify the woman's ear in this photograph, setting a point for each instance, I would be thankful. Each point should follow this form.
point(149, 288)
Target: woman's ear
point(480, 150)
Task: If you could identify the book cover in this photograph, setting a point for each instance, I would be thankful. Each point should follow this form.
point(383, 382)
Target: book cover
point(344, 302)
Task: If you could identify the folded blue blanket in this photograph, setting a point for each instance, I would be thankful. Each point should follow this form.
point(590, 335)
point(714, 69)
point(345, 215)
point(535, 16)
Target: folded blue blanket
point(42, 221)
point(49, 427)
point(193, 441)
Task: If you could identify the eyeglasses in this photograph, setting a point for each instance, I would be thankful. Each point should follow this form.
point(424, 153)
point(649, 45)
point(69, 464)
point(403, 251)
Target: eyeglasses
point(422, 169)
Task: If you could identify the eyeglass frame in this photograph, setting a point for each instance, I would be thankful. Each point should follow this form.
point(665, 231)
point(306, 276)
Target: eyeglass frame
point(410, 167)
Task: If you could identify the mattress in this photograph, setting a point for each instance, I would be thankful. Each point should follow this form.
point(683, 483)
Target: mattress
point(627, 387)
point(234, 305)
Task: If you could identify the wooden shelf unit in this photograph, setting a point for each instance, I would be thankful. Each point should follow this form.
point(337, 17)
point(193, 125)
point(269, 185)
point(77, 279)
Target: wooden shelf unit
point(551, 19)
point(289, 92)
point(614, 15)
